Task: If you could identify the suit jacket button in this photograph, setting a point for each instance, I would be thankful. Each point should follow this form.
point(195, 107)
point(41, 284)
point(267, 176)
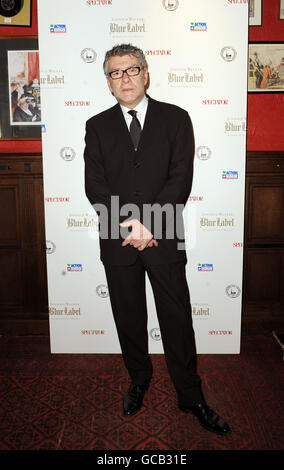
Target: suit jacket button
point(137, 164)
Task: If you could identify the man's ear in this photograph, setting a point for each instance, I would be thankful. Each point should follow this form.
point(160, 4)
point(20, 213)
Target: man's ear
point(146, 77)
point(109, 84)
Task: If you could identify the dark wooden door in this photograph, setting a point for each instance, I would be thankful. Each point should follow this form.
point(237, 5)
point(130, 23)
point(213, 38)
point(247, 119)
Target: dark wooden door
point(263, 284)
point(23, 286)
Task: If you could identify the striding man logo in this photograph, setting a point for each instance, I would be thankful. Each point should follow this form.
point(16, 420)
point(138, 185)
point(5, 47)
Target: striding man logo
point(228, 53)
point(88, 55)
point(170, 5)
point(155, 334)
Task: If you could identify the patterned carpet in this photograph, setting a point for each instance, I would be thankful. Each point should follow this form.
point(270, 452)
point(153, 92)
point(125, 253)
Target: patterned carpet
point(73, 402)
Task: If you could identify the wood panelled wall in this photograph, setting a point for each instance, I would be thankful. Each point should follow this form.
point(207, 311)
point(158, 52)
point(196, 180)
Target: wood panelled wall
point(23, 286)
point(263, 284)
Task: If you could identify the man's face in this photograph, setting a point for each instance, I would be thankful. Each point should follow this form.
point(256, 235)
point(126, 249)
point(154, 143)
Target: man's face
point(127, 90)
point(23, 104)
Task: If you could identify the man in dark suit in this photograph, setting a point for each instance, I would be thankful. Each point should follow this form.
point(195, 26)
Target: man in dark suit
point(138, 175)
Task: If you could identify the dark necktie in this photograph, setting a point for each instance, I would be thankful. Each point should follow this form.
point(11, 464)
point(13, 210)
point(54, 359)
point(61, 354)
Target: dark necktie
point(135, 128)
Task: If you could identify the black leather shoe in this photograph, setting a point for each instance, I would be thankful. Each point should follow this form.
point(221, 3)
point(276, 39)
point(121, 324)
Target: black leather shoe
point(133, 399)
point(207, 418)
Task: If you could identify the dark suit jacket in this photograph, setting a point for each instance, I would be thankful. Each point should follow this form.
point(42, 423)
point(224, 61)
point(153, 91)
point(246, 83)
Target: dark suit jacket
point(160, 171)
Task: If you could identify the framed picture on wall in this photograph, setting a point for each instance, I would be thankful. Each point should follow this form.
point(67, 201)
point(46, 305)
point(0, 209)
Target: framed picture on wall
point(255, 12)
point(20, 104)
point(281, 9)
point(24, 88)
point(16, 13)
point(266, 67)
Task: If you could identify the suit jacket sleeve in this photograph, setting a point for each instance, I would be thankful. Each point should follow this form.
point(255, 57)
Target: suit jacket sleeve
point(96, 186)
point(178, 185)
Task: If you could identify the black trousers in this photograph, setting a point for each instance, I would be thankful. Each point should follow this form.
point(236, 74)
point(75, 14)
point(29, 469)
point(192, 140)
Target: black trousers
point(126, 286)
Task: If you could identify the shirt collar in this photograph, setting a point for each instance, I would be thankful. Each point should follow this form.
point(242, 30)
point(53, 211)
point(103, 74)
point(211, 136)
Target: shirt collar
point(140, 108)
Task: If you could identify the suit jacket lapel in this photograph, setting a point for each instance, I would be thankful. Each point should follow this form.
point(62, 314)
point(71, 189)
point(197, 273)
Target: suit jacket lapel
point(150, 126)
point(121, 132)
point(120, 129)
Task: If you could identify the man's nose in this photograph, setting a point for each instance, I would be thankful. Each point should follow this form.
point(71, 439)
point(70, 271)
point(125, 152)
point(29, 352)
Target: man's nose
point(125, 77)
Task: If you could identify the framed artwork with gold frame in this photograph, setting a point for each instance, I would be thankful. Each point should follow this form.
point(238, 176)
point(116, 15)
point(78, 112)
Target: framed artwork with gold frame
point(266, 67)
point(19, 89)
point(16, 13)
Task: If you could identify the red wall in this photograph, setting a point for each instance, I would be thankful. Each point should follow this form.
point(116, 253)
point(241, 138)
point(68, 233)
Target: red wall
point(265, 112)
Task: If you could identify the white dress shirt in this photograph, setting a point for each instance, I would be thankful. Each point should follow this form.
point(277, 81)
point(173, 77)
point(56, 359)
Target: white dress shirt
point(141, 109)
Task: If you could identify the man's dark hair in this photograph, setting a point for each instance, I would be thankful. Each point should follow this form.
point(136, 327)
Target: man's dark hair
point(121, 50)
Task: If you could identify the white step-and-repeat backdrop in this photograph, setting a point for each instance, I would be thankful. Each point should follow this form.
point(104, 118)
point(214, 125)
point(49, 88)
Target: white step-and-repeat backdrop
point(197, 56)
